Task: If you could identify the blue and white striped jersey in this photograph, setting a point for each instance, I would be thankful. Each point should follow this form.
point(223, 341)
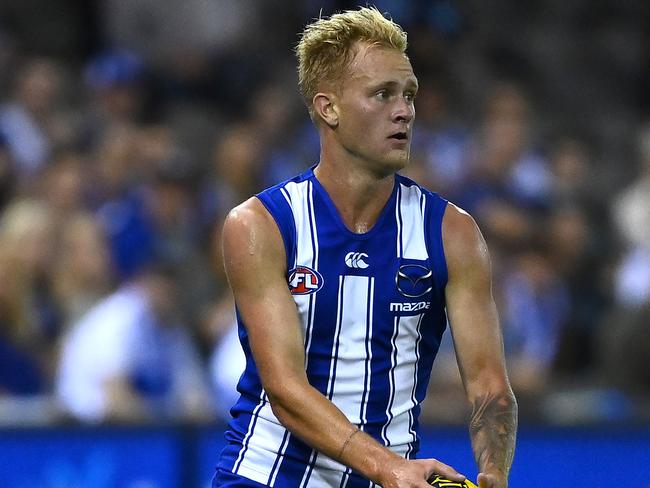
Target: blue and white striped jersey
point(372, 311)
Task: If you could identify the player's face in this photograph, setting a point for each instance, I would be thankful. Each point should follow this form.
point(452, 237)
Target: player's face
point(376, 109)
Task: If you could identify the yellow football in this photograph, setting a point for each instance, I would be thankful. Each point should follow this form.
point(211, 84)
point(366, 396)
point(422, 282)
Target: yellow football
point(442, 482)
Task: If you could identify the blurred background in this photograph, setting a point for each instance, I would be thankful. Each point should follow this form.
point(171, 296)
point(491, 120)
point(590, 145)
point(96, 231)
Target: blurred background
point(129, 128)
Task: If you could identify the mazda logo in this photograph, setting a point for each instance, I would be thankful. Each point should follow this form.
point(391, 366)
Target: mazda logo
point(414, 280)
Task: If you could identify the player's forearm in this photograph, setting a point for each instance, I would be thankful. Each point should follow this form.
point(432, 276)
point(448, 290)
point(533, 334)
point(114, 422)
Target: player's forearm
point(309, 415)
point(493, 429)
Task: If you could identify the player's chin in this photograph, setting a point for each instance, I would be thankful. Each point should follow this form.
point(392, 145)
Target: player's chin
point(398, 160)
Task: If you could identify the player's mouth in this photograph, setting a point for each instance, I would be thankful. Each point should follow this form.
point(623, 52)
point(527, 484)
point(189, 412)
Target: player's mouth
point(400, 138)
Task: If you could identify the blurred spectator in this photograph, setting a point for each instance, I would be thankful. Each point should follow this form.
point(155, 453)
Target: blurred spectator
point(30, 316)
point(130, 358)
point(20, 368)
point(227, 360)
point(65, 185)
point(286, 137)
point(26, 236)
point(632, 216)
point(120, 203)
point(570, 164)
point(441, 141)
point(534, 309)
point(83, 272)
point(7, 172)
point(509, 183)
point(623, 345)
point(115, 81)
point(164, 30)
point(27, 119)
point(171, 201)
point(236, 168)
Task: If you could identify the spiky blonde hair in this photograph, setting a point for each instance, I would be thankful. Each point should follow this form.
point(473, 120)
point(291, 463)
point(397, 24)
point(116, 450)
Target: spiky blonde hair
point(326, 46)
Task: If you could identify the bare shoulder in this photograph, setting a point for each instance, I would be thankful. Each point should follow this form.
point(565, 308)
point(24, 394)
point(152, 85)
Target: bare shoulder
point(464, 245)
point(251, 236)
point(249, 217)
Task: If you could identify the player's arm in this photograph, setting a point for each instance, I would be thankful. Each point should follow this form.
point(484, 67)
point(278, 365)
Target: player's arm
point(255, 258)
point(479, 347)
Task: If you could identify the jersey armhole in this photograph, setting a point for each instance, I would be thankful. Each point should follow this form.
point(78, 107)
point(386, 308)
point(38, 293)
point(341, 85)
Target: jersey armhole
point(437, 251)
point(283, 217)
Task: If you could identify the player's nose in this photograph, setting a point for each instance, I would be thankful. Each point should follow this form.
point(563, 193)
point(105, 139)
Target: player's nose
point(404, 111)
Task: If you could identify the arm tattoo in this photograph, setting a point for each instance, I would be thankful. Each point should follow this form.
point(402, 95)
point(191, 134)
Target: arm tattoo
point(493, 429)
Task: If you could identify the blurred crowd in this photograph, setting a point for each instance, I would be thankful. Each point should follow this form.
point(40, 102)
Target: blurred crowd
point(129, 129)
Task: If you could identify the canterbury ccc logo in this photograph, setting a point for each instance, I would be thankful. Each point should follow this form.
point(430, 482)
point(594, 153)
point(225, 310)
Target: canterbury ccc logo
point(356, 260)
point(304, 280)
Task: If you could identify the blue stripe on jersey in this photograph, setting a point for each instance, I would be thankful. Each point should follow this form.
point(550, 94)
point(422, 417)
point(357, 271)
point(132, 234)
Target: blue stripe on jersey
point(291, 469)
point(278, 460)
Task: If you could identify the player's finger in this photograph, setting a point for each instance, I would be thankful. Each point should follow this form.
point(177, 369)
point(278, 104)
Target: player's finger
point(447, 471)
point(485, 481)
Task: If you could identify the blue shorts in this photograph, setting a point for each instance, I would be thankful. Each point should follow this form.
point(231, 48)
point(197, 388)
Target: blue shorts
point(225, 479)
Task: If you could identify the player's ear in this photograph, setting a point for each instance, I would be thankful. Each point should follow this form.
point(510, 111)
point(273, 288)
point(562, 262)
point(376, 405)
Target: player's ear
point(325, 108)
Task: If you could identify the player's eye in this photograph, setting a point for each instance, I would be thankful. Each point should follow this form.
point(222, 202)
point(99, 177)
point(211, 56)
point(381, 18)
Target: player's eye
point(409, 96)
point(382, 95)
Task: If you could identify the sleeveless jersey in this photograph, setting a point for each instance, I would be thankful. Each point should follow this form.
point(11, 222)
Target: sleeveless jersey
point(372, 312)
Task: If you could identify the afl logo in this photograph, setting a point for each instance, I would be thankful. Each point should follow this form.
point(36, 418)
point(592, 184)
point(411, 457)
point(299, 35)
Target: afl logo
point(304, 280)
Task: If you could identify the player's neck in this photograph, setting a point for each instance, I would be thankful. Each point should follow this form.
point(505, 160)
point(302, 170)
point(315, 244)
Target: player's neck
point(359, 195)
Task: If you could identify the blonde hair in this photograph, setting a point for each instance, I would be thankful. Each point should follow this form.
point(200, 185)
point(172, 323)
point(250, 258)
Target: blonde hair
point(326, 46)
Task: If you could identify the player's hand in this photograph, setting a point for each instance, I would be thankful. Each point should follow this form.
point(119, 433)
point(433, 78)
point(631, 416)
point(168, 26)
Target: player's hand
point(414, 474)
point(491, 480)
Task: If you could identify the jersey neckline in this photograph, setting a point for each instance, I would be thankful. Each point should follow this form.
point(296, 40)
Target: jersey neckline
point(329, 203)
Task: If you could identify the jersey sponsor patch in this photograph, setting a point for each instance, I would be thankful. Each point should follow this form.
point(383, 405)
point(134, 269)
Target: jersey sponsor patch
point(414, 280)
point(409, 307)
point(304, 280)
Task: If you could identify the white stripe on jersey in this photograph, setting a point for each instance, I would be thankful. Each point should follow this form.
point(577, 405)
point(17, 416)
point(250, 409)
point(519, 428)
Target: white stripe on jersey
point(255, 462)
point(410, 220)
point(287, 197)
point(280, 458)
point(399, 429)
point(246, 440)
point(351, 331)
point(302, 204)
point(327, 472)
point(398, 219)
point(415, 379)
